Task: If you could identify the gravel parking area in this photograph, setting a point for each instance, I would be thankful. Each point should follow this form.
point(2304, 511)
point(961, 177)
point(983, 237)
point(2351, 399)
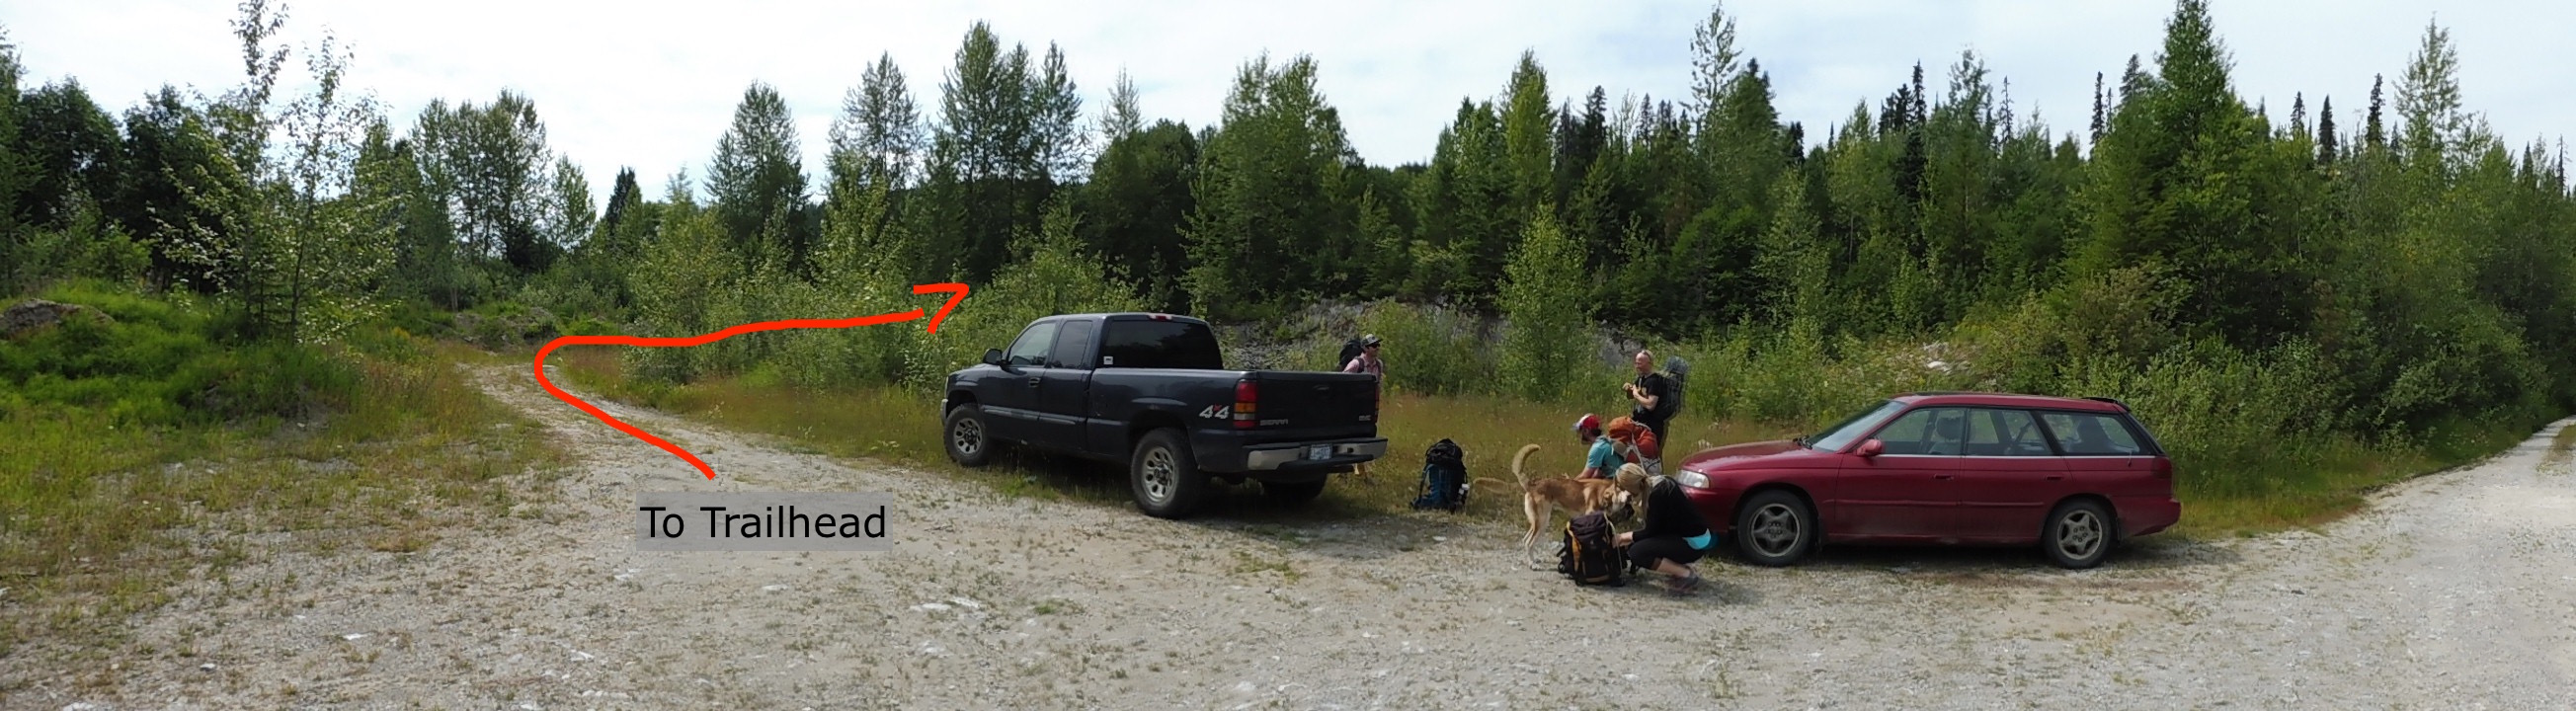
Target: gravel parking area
point(2456, 591)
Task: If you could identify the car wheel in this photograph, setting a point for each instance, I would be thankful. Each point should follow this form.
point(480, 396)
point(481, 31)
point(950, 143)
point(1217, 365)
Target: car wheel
point(2078, 535)
point(1775, 528)
point(1293, 492)
point(1167, 481)
point(970, 441)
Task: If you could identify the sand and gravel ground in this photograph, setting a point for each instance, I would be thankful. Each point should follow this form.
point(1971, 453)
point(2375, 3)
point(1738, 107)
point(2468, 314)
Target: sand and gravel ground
point(2453, 591)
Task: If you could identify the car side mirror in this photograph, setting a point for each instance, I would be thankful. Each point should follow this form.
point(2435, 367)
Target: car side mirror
point(1871, 448)
point(993, 356)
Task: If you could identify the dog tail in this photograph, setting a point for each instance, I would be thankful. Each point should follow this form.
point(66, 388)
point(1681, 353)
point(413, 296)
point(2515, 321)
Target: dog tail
point(1518, 460)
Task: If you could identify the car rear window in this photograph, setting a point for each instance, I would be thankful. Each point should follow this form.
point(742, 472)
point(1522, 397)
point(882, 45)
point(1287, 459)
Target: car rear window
point(1159, 344)
point(2091, 434)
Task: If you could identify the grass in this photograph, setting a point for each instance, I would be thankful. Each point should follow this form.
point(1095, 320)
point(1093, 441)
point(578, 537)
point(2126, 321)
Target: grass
point(115, 470)
point(2336, 478)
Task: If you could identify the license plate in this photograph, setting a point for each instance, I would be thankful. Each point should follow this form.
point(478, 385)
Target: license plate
point(1319, 452)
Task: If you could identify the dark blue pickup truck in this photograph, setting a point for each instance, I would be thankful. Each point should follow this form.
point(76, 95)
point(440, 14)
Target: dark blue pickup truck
point(1151, 391)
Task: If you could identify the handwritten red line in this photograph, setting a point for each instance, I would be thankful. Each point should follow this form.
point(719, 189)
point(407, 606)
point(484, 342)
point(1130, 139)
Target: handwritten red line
point(957, 291)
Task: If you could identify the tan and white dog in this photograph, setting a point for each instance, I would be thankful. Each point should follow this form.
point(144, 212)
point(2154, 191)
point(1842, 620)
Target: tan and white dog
point(1541, 497)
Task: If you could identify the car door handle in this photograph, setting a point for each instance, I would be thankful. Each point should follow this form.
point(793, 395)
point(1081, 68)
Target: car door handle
point(1942, 476)
point(1033, 381)
point(2056, 477)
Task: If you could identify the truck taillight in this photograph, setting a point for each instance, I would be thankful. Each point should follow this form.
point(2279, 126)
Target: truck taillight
point(1247, 405)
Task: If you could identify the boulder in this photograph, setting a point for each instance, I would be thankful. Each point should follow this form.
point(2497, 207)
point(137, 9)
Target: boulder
point(33, 314)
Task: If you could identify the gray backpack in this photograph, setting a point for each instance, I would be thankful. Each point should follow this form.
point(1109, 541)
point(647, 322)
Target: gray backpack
point(1678, 371)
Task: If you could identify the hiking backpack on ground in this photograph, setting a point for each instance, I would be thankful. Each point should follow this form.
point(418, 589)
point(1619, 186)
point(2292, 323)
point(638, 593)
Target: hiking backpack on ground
point(1350, 350)
point(1444, 478)
point(1591, 555)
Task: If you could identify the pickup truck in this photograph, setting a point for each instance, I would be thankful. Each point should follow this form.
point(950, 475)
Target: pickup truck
point(1149, 391)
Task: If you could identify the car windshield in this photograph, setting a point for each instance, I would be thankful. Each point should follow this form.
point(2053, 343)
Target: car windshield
point(1833, 438)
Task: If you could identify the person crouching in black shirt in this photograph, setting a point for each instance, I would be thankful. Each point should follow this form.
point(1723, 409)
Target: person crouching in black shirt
point(1674, 536)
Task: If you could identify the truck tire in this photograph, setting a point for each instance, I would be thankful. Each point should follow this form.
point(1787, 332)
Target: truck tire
point(969, 436)
point(1292, 493)
point(1166, 479)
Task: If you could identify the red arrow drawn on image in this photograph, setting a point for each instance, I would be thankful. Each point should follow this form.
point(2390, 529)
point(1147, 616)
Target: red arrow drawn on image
point(956, 292)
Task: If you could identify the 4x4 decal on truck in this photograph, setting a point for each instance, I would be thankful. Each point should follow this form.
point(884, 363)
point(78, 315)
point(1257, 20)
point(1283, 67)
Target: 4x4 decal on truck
point(1219, 412)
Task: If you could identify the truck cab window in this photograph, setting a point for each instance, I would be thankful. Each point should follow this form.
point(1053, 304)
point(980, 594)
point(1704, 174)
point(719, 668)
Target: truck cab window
point(1072, 344)
point(1159, 344)
point(1031, 350)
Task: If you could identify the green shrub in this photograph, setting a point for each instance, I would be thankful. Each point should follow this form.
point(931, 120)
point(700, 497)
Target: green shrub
point(1547, 338)
point(1428, 349)
point(150, 362)
point(1053, 276)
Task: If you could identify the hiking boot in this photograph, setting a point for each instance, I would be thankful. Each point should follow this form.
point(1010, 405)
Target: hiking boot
point(1685, 586)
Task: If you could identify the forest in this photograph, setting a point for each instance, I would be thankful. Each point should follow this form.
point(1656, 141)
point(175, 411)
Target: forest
point(2299, 307)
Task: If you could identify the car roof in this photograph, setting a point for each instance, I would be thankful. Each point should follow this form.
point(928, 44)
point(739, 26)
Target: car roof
point(2100, 404)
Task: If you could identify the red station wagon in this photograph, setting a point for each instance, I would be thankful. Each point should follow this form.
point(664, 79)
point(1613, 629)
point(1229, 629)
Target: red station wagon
point(2071, 475)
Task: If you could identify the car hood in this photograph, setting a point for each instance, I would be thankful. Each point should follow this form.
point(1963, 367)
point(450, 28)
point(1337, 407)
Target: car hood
point(1778, 452)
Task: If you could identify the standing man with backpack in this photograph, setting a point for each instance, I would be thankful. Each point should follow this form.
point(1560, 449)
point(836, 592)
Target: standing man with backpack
point(1366, 361)
point(1652, 399)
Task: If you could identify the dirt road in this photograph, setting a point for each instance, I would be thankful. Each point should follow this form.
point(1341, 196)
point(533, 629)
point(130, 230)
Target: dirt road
point(2454, 591)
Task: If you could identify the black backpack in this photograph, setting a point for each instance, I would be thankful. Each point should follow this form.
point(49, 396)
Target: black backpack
point(1350, 349)
point(1677, 371)
point(1444, 478)
point(1591, 555)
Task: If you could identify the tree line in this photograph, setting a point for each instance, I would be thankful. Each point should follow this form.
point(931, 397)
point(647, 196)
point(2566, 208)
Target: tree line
point(2399, 246)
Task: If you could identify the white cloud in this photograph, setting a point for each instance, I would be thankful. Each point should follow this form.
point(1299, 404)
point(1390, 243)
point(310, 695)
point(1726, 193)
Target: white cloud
point(652, 85)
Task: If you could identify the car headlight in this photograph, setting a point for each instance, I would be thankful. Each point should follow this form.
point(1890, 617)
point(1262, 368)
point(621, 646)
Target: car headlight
point(1692, 479)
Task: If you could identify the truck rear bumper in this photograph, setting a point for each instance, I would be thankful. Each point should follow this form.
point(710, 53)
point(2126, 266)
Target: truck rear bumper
point(1298, 456)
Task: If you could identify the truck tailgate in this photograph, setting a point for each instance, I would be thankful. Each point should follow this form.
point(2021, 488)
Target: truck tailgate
point(1297, 404)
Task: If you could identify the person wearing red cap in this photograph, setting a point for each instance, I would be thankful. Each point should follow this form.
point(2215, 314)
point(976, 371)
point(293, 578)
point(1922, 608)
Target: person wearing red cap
point(1603, 458)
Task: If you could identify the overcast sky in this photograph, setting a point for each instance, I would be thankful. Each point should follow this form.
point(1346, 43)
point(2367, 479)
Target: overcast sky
point(653, 85)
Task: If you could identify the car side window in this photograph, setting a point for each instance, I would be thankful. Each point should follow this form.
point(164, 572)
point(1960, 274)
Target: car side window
point(1032, 348)
point(1073, 343)
point(2004, 433)
point(1936, 431)
point(2091, 434)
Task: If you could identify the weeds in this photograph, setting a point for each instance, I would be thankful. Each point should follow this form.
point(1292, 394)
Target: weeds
point(127, 431)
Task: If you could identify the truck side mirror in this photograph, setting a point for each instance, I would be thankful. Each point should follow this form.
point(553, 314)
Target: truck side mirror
point(1871, 448)
point(993, 356)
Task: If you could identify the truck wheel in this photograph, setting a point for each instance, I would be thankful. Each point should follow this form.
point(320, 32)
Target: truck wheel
point(1293, 492)
point(1167, 480)
point(970, 442)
